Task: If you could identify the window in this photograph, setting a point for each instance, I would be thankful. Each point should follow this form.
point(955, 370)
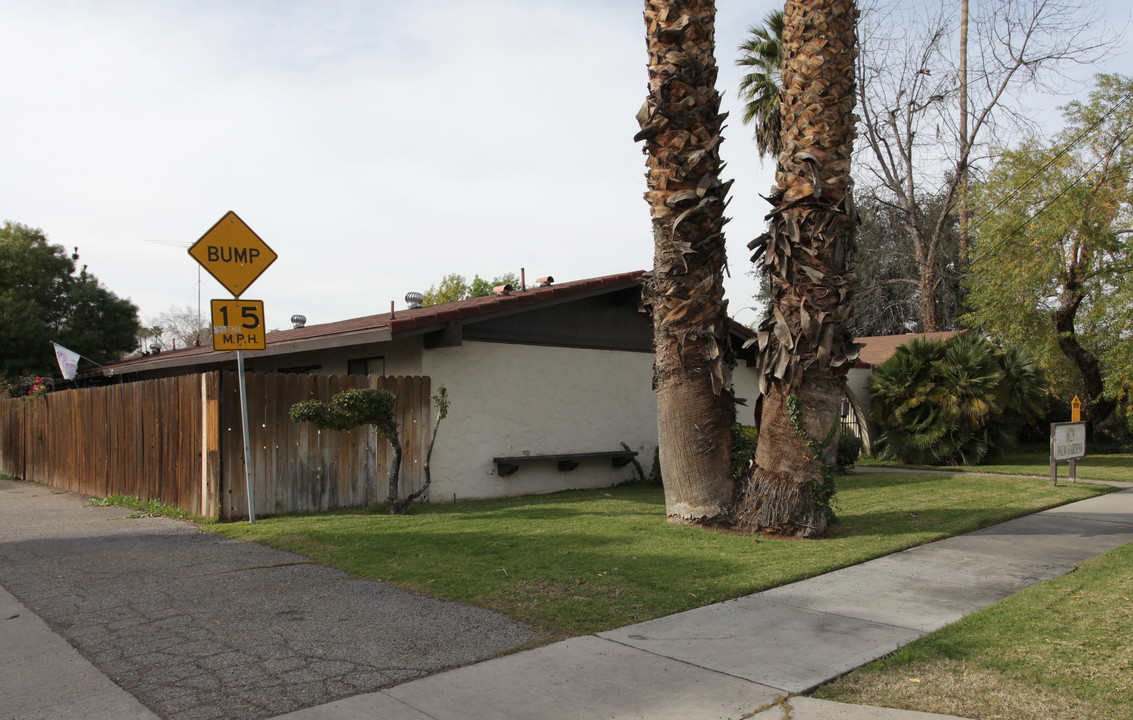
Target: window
point(366, 366)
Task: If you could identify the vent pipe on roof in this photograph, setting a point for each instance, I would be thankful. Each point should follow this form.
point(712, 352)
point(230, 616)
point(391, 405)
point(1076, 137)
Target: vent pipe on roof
point(545, 281)
point(502, 290)
point(414, 300)
point(523, 278)
point(298, 321)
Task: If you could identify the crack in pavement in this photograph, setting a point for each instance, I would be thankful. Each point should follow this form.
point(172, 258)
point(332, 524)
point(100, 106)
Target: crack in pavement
point(198, 627)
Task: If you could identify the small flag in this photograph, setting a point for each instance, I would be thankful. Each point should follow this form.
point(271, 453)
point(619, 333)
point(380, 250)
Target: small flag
point(68, 361)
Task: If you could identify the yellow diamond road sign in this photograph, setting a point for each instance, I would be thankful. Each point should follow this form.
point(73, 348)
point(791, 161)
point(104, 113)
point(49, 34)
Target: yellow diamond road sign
point(232, 253)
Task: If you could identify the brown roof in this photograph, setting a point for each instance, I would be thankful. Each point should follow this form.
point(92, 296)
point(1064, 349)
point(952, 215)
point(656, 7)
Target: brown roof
point(382, 327)
point(879, 348)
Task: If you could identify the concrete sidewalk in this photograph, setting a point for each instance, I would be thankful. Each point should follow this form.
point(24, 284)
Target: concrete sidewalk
point(721, 661)
point(730, 659)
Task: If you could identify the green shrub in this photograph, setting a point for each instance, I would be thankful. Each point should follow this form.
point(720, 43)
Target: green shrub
point(744, 440)
point(849, 450)
point(958, 402)
point(655, 470)
point(350, 409)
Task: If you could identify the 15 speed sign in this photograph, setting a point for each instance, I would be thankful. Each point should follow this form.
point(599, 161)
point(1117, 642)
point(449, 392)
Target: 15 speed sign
point(238, 325)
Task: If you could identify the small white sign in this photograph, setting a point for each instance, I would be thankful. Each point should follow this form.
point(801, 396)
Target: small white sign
point(1067, 441)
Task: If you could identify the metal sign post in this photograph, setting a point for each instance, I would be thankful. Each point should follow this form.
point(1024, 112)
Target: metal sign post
point(247, 442)
point(234, 255)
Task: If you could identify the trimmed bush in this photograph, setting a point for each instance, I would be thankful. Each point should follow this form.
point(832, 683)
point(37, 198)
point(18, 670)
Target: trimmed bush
point(849, 450)
point(958, 402)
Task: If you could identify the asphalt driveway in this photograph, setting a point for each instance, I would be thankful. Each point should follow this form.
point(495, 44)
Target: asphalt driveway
point(196, 626)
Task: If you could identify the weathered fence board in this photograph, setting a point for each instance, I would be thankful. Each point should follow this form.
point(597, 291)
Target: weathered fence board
point(179, 440)
point(134, 439)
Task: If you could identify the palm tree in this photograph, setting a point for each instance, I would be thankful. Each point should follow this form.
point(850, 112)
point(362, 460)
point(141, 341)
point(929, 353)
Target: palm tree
point(763, 52)
point(805, 349)
point(958, 402)
point(681, 124)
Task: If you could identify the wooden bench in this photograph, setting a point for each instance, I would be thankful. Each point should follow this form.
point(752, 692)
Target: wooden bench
point(567, 461)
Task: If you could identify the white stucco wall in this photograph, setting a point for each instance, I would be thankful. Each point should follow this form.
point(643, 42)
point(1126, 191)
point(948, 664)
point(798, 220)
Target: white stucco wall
point(403, 357)
point(745, 383)
point(524, 399)
point(856, 380)
point(509, 399)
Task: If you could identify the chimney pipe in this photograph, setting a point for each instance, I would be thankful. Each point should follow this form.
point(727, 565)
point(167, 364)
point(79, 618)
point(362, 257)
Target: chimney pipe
point(523, 278)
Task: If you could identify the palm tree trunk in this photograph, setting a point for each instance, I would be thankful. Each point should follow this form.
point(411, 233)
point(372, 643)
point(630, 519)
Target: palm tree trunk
point(805, 349)
point(681, 123)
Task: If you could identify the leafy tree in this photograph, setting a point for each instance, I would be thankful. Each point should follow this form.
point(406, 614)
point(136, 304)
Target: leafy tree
point(958, 402)
point(759, 89)
point(681, 124)
point(44, 298)
point(454, 287)
point(804, 347)
point(1052, 268)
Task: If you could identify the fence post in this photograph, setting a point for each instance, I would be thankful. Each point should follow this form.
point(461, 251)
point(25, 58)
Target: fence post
point(210, 445)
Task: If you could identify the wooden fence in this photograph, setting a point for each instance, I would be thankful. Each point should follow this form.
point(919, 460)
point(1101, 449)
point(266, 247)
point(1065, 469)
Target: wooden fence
point(179, 440)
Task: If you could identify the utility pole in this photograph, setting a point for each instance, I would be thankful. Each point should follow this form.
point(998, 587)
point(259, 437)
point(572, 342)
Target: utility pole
point(965, 148)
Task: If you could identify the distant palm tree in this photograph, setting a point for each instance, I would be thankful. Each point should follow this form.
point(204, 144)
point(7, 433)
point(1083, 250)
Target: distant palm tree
point(763, 52)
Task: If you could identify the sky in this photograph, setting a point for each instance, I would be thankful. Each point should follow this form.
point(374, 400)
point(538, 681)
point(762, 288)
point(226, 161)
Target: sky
point(375, 146)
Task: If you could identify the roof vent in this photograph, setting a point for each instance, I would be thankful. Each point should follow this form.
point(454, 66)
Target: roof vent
point(298, 321)
point(545, 281)
point(502, 290)
point(414, 300)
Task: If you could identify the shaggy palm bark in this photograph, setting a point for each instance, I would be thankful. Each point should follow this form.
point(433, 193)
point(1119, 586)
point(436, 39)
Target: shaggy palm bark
point(805, 349)
point(680, 124)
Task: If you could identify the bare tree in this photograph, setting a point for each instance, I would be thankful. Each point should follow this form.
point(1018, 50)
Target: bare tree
point(180, 326)
point(920, 138)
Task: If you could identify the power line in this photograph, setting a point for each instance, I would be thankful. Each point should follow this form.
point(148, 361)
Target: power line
point(1117, 105)
point(1047, 204)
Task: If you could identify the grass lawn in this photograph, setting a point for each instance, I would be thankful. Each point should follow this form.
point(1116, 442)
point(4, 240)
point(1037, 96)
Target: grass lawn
point(1115, 467)
point(584, 561)
point(1061, 649)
